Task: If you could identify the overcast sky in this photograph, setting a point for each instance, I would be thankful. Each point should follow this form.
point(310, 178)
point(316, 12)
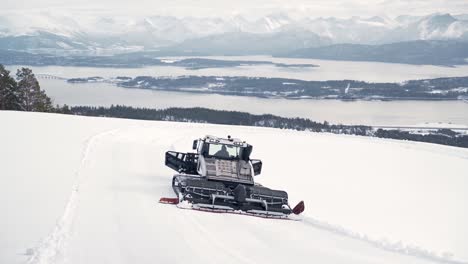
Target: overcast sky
point(201, 8)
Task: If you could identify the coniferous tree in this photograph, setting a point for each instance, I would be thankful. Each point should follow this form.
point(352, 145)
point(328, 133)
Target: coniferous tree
point(31, 96)
point(9, 95)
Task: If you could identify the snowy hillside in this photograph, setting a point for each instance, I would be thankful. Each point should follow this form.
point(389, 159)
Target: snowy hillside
point(85, 190)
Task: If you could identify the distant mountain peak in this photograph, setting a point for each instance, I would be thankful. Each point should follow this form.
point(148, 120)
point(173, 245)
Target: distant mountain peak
point(440, 18)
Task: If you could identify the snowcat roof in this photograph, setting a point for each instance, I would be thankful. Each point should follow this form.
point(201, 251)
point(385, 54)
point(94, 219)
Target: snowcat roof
point(225, 141)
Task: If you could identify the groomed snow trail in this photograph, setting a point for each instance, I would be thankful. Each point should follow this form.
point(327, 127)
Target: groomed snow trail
point(386, 189)
point(52, 247)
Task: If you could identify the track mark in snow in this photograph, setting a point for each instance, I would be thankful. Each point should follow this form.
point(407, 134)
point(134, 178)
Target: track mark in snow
point(395, 247)
point(52, 246)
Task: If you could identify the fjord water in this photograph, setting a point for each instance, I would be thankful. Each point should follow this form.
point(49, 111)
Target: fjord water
point(327, 70)
point(357, 112)
point(393, 113)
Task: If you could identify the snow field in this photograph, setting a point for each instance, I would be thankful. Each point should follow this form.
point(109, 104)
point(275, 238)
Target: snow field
point(85, 190)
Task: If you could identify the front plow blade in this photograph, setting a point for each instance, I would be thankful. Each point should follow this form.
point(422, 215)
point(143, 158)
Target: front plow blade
point(166, 200)
point(299, 208)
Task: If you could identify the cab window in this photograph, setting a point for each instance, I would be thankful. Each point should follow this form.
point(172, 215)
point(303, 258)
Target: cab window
point(223, 151)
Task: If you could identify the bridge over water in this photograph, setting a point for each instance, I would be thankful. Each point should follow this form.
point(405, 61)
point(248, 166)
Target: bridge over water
point(49, 76)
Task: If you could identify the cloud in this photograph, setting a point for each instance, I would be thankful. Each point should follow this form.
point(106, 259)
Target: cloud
point(200, 8)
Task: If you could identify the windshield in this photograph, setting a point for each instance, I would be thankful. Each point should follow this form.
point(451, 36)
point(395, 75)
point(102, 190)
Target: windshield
point(223, 151)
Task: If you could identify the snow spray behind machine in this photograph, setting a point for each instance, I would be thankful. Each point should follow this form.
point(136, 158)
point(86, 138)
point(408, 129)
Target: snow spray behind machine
point(219, 177)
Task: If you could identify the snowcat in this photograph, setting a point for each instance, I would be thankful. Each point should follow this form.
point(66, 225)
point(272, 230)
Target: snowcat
point(219, 177)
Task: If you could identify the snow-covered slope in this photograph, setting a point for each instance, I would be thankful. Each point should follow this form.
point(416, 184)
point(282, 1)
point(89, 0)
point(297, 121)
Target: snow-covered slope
point(85, 190)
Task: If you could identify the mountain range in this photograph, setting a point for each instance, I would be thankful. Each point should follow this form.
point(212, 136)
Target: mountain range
point(44, 32)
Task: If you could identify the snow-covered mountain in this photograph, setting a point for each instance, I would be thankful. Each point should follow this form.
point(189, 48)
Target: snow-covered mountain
point(244, 43)
point(88, 31)
point(380, 30)
point(432, 27)
point(85, 190)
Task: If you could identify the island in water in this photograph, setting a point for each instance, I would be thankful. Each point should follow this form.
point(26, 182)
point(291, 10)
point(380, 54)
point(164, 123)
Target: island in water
point(451, 88)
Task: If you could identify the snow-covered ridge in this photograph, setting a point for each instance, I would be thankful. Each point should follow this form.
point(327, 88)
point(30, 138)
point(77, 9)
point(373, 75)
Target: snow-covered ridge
point(134, 33)
point(79, 188)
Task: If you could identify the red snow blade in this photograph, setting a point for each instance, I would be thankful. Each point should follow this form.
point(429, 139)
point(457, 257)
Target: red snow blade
point(166, 200)
point(299, 208)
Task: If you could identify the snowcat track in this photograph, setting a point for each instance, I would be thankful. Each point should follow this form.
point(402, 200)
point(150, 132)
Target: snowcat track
point(218, 210)
point(238, 212)
point(205, 193)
